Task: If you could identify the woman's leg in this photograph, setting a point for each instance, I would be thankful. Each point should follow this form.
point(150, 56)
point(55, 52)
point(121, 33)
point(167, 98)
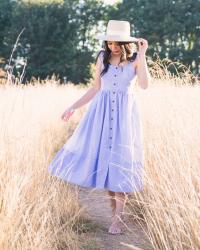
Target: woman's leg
point(120, 204)
point(112, 201)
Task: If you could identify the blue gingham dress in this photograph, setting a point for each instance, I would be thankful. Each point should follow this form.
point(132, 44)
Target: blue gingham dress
point(105, 149)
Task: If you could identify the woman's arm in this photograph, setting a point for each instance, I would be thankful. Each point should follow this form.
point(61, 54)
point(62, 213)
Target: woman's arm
point(142, 71)
point(88, 95)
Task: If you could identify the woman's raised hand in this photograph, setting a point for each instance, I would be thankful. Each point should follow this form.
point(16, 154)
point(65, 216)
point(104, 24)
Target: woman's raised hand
point(143, 45)
point(66, 115)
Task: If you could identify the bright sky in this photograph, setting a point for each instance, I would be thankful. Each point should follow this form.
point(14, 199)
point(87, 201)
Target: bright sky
point(111, 1)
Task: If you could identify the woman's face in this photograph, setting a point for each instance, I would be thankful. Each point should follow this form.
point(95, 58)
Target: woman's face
point(114, 47)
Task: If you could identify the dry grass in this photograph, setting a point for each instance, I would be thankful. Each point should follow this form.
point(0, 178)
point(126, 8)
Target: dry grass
point(170, 202)
point(37, 211)
point(40, 212)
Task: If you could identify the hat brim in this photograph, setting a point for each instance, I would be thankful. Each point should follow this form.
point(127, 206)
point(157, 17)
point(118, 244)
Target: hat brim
point(116, 38)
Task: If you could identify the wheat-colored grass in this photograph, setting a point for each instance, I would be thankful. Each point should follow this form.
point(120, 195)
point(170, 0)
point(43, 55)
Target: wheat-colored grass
point(170, 202)
point(38, 211)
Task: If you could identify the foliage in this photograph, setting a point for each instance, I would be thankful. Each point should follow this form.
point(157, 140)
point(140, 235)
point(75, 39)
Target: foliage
point(55, 37)
point(172, 27)
point(58, 37)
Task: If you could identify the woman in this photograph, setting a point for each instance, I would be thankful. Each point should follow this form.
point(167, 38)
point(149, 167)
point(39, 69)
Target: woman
point(105, 150)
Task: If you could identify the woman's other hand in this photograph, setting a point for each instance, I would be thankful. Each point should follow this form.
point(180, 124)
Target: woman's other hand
point(67, 114)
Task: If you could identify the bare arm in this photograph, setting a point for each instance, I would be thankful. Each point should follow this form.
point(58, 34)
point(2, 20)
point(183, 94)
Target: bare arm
point(88, 95)
point(143, 74)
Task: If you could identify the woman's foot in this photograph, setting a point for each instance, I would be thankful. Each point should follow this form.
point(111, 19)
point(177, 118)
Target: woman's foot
point(115, 226)
point(117, 204)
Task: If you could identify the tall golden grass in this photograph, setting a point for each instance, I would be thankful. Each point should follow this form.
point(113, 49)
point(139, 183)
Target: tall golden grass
point(38, 211)
point(170, 202)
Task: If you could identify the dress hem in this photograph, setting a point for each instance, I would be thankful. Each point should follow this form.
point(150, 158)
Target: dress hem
point(96, 187)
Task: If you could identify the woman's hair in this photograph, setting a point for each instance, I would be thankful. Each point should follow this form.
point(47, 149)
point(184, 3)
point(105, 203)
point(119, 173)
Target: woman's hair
point(128, 49)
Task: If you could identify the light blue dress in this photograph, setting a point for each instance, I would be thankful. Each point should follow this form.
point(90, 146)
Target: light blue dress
point(105, 149)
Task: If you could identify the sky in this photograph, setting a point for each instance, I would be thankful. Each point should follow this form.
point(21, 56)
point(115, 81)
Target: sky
point(111, 1)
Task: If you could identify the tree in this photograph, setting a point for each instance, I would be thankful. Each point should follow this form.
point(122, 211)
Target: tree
point(57, 37)
point(171, 27)
point(6, 7)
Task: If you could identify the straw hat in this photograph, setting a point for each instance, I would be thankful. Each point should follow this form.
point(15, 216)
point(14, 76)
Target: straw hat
point(117, 31)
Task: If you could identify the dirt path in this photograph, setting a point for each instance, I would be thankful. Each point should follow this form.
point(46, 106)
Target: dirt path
point(97, 212)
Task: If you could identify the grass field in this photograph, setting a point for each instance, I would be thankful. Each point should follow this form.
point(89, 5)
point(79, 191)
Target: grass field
point(41, 212)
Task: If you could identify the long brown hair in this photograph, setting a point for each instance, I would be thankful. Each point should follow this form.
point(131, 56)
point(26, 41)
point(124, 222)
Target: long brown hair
point(128, 49)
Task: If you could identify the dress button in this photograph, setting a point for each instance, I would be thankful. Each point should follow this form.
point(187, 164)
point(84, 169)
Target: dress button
point(110, 137)
point(114, 83)
point(115, 75)
point(112, 109)
point(113, 101)
point(110, 128)
point(111, 118)
point(116, 67)
point(113, 92)
point(110, 147)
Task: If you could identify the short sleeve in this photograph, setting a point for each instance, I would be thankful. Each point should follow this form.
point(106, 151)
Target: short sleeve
point(134, 58)
point(100, 57)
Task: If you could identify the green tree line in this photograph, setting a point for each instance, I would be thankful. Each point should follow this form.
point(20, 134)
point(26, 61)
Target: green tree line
point(172, 28)
point(58, 36)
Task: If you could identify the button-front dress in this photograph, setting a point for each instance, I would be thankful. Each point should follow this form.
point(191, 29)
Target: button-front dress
point(105, 149)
